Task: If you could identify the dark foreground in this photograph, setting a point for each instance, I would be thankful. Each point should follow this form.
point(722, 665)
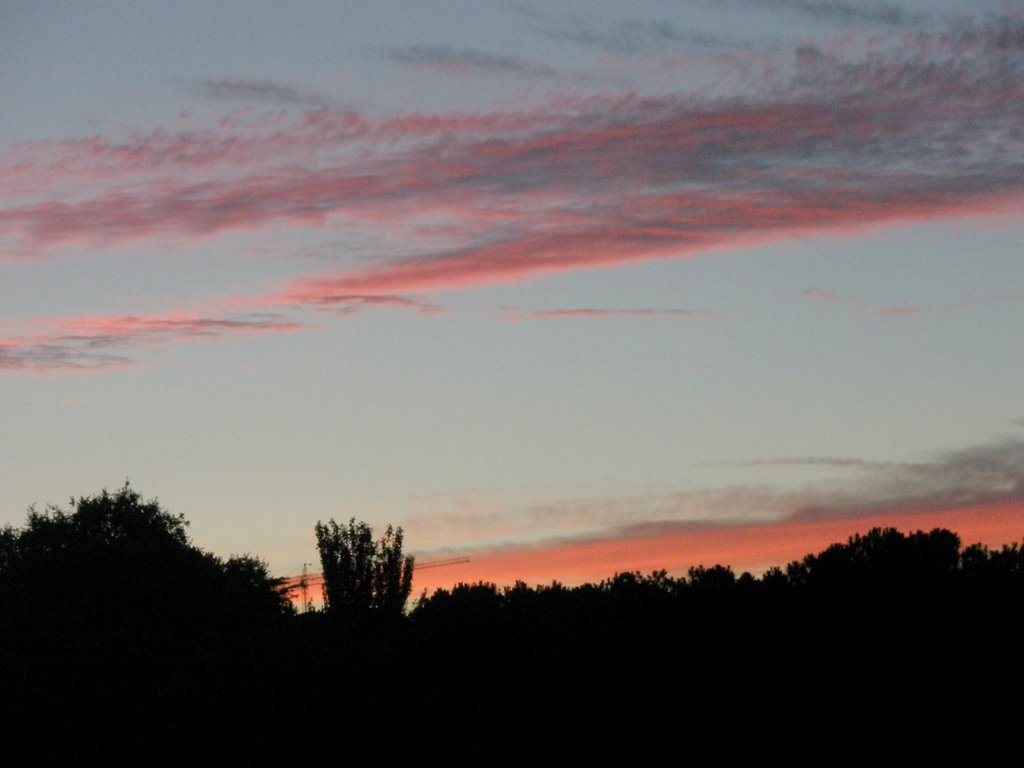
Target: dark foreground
point(887, 648)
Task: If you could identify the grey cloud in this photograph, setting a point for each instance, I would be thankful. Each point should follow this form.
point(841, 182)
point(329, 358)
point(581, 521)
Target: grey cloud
point(847, 11)
point(835, 463)
point(245, 89)
point(632, 36)
point(466, 58)
point(982, 474)
point(49, 356)
point(1000, 465)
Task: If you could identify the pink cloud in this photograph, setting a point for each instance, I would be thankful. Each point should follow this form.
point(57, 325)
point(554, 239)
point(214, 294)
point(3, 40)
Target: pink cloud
point(619, 236)
point(916, 131)
point(910, 133)
point(93, 342)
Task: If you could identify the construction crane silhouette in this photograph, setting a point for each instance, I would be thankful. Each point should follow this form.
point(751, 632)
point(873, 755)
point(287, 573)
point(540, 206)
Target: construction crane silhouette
point(442, 563)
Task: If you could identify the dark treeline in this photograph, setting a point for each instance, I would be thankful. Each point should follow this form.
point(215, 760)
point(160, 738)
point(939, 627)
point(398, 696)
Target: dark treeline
point(118, 635)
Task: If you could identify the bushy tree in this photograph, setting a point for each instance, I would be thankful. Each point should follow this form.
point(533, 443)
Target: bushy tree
point(115, 627)
point(362, 576)
point(881, 560)
point(115, 559)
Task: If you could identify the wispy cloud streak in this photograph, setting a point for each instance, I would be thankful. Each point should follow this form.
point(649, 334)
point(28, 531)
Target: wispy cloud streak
point(630, 36)
point(348, 304)
point(905, 309)
point(559, 314)
point(987, 476)
point(828, 297)
point(446, 59)
point(847, 11)
point(925, 128)
point(977, 492)
point(928, 125)
point(102, 341)
point(250, 90)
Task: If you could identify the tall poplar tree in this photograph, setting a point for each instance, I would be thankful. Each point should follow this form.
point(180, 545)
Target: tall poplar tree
point(363, 577)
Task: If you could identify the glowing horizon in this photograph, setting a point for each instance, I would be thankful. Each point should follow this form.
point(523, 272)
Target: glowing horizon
point(753, 547)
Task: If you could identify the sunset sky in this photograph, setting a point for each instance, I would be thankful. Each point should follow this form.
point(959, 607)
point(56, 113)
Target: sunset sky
point(563, 288)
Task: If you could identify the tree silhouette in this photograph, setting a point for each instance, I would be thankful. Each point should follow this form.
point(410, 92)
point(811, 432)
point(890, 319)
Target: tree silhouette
point(113, 624)
point(881, 561)
point(363, 577)
point(115, 560)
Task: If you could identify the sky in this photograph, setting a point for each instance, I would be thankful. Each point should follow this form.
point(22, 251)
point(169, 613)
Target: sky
point(565, 289)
